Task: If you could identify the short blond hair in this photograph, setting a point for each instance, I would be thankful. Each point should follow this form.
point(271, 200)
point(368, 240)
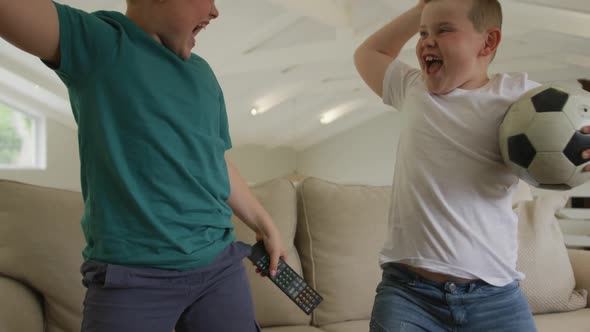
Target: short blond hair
point(484, 14)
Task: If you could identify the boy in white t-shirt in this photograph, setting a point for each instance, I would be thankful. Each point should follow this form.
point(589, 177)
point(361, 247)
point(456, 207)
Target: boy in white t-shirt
point(449, 262)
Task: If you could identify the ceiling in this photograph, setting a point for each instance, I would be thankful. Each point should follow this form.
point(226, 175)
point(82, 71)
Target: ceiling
point(292, 61)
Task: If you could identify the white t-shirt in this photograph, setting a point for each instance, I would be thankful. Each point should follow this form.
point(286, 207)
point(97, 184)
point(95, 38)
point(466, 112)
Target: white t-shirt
point(451, 209)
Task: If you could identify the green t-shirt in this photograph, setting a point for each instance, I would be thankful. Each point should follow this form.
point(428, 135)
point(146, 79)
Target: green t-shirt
point(152, 131)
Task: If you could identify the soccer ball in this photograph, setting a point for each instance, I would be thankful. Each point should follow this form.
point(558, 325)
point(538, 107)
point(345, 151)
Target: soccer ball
point(540, 137)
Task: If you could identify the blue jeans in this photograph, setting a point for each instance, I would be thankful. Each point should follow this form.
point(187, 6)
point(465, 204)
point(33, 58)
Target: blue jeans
point(407, 302)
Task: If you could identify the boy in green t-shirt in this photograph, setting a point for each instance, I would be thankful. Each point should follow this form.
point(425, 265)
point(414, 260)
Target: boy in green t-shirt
point(158, 190)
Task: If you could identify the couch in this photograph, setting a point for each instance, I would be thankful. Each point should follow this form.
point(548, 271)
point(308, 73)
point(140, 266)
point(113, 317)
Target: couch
point(333, 233)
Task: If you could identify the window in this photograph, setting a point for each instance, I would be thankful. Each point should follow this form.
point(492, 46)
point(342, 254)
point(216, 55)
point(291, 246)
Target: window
point(22, 140)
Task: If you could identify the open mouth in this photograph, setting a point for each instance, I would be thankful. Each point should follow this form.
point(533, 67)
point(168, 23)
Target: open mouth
point(199, 27)
point(432, 63)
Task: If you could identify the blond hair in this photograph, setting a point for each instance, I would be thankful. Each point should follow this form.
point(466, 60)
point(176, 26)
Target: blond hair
point(484, 14)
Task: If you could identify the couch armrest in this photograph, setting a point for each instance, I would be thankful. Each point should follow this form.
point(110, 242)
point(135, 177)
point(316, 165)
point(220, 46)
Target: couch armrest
point(581, 264)
point(20, 308)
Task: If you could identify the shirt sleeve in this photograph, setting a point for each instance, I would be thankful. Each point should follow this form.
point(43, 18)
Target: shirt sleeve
point(529, 85)
point(399, 77)
point(520, 84)
point(85, 42)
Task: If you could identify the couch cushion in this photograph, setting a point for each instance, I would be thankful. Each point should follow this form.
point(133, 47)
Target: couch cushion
point(273, 307)
point(543, 257)
point(20, 309)
point(341, 230)
point(42, 246)
point(350, 326)
point(575, 321)
point(581, 264)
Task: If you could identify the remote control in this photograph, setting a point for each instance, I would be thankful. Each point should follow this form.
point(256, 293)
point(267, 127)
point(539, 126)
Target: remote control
point(291, 283)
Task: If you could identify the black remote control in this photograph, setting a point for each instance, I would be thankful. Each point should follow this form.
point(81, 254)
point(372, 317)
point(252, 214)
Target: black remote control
point(287, 280)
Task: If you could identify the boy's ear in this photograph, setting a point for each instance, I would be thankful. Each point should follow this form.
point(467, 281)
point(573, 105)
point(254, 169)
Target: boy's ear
point(492, 41)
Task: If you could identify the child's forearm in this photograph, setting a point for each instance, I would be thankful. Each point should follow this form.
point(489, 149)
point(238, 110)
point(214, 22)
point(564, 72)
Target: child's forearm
point(390, 39)
point(245, 205)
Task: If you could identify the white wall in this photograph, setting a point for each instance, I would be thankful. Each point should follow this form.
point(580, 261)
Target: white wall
point(63, 164)
point(255, 163)
point(362, 155)
point(258, 164)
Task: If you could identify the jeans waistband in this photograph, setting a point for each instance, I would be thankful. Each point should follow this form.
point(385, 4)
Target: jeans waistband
point(399, 272)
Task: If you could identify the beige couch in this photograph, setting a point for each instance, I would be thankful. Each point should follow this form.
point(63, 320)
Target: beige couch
point(333, 232)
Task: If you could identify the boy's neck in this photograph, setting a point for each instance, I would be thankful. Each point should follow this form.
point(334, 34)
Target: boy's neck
point(142, 20)
point(476, 83)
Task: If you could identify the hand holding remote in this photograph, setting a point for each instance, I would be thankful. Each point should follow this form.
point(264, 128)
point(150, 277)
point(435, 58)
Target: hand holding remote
point(291, 283)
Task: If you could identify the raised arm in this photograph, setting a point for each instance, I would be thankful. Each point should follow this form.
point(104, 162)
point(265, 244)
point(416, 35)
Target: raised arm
point(375, 54)
point(31, 25)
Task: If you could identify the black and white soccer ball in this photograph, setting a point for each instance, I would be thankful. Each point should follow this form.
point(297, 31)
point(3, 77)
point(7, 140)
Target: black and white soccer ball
point(540, 137)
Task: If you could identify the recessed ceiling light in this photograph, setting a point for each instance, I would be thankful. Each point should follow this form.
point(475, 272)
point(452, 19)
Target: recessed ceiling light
point(254, 111)
point(339, 111)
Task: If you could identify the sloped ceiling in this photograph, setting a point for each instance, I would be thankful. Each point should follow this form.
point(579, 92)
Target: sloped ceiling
point(292, 60)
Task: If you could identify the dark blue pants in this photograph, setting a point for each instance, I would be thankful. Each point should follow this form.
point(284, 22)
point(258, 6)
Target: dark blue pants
point(214, 298)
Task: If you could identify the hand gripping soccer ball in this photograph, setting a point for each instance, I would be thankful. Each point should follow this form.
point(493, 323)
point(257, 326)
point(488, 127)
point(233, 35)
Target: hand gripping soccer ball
point(540, 137)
